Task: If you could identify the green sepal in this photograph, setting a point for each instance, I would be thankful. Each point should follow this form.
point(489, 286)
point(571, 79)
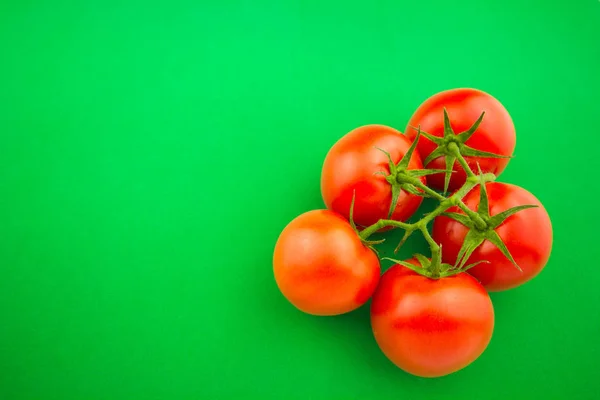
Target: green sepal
point(447, 126)
point(471, 152)
point(484, 207)
point(391, 179)
point(395, 196)
point(462, 218)
point(425, 268)
point(450, 270)
point(435, 139)
point(472, 241)
point(423, 172)
point(407, 187)
point(499, 218)
point(438, 152)
point(406, 235)
point(450, 159)
point(391, 164)
point(403, 163)
point(408, 265)
point(424, 261)
point(468, 267)
point(495, 239)
point(466, 135)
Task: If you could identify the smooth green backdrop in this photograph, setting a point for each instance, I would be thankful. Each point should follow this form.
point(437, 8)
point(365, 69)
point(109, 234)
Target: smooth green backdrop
point(152, 151)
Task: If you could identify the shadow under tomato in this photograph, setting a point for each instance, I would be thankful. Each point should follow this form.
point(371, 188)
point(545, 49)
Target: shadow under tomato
point(352, 333)
point(354, 329)
point(349, 334)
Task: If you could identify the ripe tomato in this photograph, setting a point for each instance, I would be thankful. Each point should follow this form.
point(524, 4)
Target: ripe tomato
point(526, 234)
point(496, 134)
point(352, 166)
point(322, 267)
point(431, 327)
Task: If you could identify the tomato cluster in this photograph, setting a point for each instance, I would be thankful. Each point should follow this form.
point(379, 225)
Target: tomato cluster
point(430, 315)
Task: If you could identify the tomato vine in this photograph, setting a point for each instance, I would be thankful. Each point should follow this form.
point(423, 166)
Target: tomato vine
point(428, 316)
point(481, 225)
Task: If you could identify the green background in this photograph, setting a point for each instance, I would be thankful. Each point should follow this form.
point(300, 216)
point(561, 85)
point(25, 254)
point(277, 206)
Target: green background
point(151, 152)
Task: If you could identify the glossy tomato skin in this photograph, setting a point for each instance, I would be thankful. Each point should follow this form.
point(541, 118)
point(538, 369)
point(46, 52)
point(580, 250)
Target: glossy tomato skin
point(431, 328)
point(527, 235)
point(496, 134)
point(351, 165)
point(322, 267)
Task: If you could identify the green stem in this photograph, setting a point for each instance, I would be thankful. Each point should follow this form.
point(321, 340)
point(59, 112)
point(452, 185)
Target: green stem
point(447, 203)
point(475, 217)
point(463, 163)
point(435, 253)
point(453, 148)
point(432, 193)
point(455, 199)
point(382, 223)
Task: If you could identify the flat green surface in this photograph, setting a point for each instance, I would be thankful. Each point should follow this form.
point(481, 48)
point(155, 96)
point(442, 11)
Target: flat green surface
point(150, 154)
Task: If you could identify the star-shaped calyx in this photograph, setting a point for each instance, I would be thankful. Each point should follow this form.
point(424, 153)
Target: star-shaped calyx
point(402, 178)
point(451, 145)
point(433, 267)
point(482, 226)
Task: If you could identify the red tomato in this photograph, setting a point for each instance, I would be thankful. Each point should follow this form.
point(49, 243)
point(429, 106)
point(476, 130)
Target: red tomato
point(352, 165)
point(526, 234)
point(322, 267)
point(431, 327)
point(496, 134)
